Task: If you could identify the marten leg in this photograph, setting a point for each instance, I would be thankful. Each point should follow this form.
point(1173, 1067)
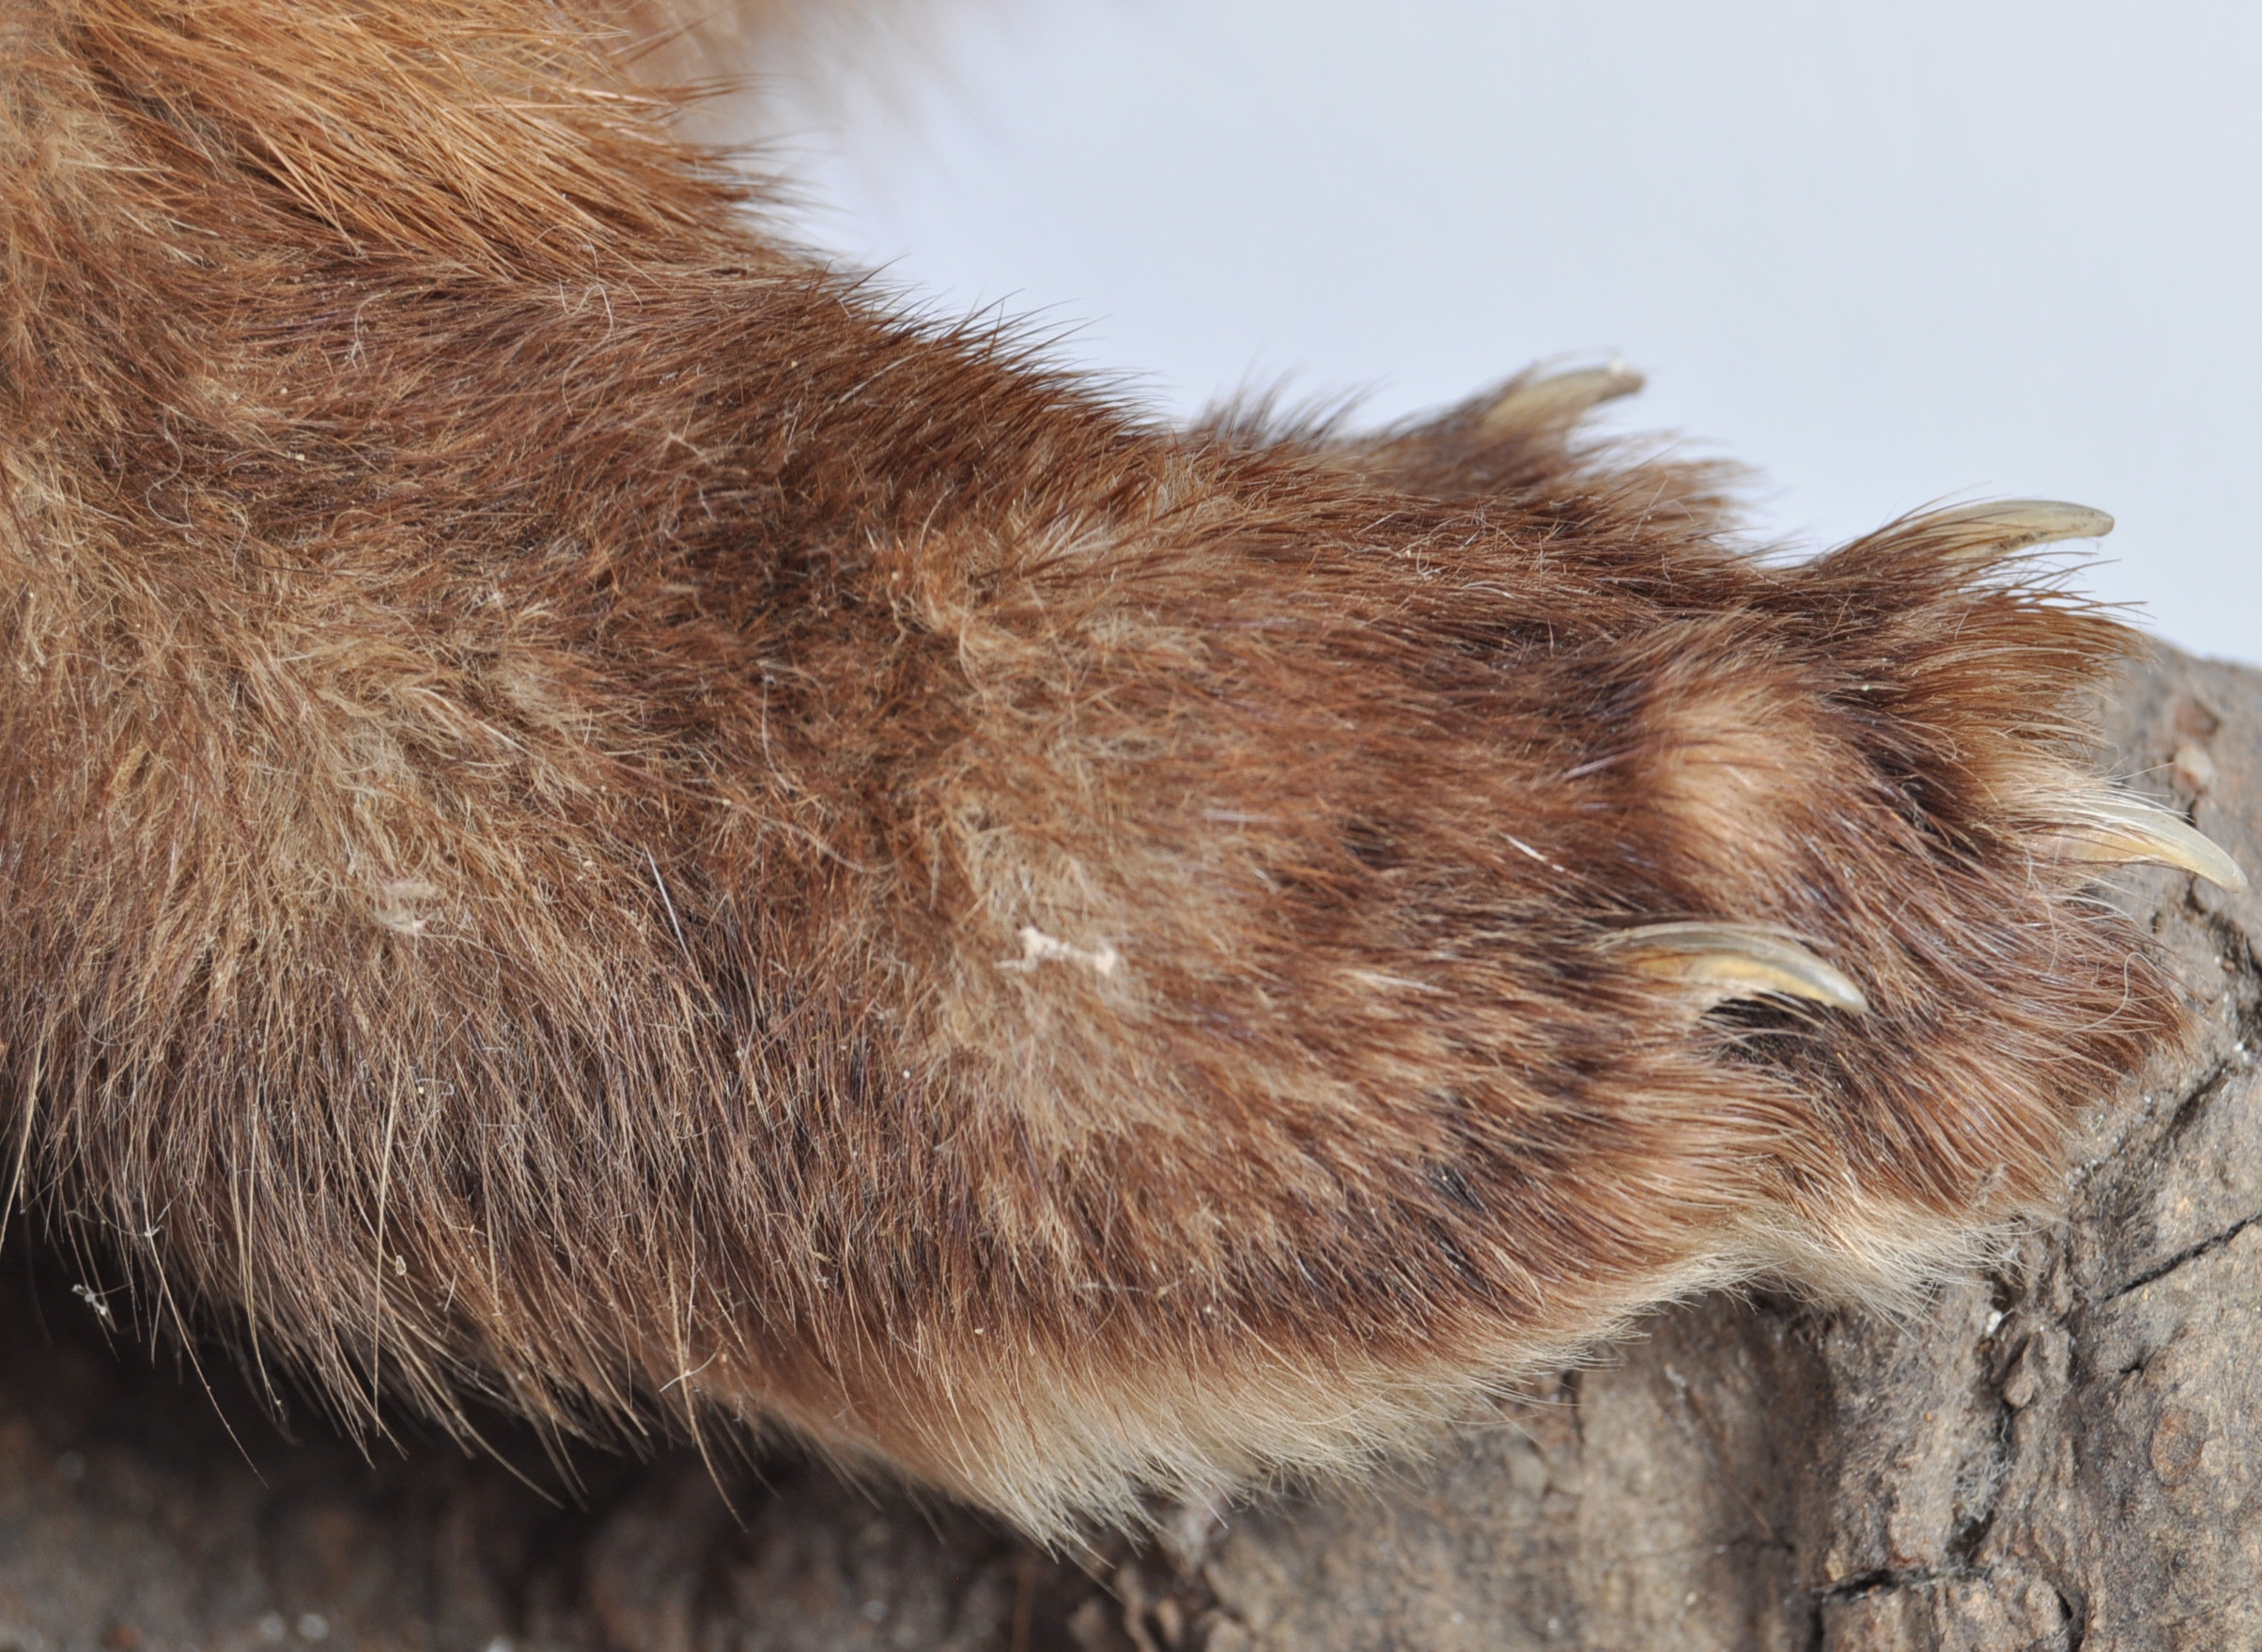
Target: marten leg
point(594, 819)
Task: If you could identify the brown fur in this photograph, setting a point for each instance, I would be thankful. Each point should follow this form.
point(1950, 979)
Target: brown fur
point(596, 820)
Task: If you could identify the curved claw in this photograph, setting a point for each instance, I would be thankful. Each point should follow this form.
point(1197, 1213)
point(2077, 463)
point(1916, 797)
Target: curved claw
point(1558, 401)
point(1974, 532)
point(1718, 962)
point(2124, 828)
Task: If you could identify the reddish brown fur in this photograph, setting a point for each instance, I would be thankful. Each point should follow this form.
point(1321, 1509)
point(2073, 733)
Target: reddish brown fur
point(542, 728)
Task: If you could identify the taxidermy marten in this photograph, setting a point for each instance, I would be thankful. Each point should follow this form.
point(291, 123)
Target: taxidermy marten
point(596, 820)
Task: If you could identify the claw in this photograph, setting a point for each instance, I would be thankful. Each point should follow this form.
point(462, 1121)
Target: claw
point(2122, 828)
point(1722, 961)
point(1974, 532)
point(1553, 403)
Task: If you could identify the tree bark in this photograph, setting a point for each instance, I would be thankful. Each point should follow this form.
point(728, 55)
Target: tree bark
point(2064, 1452)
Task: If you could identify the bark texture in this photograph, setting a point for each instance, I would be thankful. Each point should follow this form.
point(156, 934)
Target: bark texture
point(2065, 1453)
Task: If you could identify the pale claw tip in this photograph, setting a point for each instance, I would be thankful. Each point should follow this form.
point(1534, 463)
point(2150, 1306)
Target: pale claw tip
point(1560, 400)
point(2122, 828)
point(2005, 525)
point(1720, 962)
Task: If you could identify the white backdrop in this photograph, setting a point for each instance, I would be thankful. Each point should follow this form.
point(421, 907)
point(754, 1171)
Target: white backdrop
point(1887, 253)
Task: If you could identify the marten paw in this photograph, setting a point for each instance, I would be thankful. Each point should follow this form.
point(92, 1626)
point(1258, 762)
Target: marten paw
point(1879, 807)
point(1428, 956)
